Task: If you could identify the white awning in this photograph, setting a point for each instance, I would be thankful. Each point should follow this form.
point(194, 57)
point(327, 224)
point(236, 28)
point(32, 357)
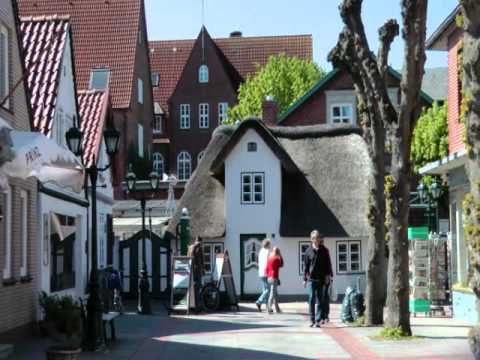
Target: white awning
point(443, 166)
point(35, 155)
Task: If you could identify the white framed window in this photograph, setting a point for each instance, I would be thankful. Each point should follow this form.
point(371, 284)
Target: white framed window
point(158, 163)
point(349, 254)
point(140, 90)
point(24, 233)
point(341, 113)
point(302, 249)
point(155, 79)
point(184, 166)
point(184, 116)
point(203, 74)
point(200, 156)
point(222, 112)
point(4, 64)
point(140, 140)
point(210, 250)
point(203, 116)
point(251, 248)
point(252, 146)
point(252, 188)
point(7, 232)
point(158, 123)
point(99, 79)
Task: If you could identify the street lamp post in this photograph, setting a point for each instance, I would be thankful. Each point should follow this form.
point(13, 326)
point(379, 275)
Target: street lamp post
point(144, 286)
point(94, 327)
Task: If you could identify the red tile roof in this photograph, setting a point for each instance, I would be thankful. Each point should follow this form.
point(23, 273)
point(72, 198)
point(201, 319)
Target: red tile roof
point(169, 57)
point(105, 34)
point(43, 40)
point(93, 109)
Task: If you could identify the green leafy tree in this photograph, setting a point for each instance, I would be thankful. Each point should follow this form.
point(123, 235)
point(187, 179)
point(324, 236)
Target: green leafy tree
point(141, 166)
point(284, 78)
point(430, 137)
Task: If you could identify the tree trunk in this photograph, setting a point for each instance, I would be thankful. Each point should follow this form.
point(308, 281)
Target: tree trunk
point(471, 80)
point(414, 14)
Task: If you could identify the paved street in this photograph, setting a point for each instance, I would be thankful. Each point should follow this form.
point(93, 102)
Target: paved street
point(251, 335)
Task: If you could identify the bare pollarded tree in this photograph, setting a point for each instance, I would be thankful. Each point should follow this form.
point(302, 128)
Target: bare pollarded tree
point(471, 91)
point(382, 122)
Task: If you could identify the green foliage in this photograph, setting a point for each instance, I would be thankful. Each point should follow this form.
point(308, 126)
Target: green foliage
point(63, 316)
point(284, 78)
point(393, 334)
point(430, 136)
point(141, 166)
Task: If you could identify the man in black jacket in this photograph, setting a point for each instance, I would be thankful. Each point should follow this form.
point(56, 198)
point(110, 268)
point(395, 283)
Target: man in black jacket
point(317, 275)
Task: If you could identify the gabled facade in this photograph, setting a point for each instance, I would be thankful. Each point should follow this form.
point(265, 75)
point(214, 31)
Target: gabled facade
point(183, 96)
point(62, 231)
point(333, 101)
point(206, 89)
point(111, 50)
point(19, 266)
point(256, 182)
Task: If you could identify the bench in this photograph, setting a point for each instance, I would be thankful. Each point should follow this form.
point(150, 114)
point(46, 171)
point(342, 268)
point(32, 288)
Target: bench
point(109, 318)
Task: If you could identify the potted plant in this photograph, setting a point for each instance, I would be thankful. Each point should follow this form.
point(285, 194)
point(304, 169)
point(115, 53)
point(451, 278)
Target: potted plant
point(63, 323)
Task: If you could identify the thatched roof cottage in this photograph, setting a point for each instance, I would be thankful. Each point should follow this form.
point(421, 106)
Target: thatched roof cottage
point(255, 182)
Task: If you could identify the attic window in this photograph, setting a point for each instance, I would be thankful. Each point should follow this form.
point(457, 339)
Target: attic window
point(99, 79)
point(203, 74)
point(252, 147)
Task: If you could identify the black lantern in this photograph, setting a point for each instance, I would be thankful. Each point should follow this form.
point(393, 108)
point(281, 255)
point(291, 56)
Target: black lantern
point(154, 180)
point(112, 139)
point(435, 189)
point(131, 180)
point(74, 140)
point(422, 192)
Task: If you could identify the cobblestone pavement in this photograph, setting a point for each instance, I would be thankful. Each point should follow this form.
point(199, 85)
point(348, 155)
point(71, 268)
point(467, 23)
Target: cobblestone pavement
point(251, 335)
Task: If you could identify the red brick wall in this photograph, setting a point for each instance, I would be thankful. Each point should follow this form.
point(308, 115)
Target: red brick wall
point(455, 128)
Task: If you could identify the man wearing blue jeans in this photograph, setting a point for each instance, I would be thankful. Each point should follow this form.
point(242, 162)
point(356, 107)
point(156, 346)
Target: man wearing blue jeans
point(262, 273)
point(317, 275)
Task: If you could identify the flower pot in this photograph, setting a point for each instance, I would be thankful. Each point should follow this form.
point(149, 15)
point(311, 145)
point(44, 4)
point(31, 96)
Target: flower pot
point(60, 352)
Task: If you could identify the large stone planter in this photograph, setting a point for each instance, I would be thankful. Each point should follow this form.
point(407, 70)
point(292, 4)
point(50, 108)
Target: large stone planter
point(60, 352)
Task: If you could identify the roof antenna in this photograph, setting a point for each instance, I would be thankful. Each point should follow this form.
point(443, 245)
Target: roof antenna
point(203, 31)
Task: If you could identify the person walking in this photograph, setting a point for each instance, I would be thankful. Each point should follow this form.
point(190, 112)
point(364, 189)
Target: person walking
point(274, 263)
point(317, 275)
point(195, 251)
point(262, 274)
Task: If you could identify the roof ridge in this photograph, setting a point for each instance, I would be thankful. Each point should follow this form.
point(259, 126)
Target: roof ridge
point(235, 38)
point(44, 18)
point(90, 91)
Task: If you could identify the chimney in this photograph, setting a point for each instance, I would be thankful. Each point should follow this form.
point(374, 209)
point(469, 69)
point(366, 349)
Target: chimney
point(236, 34)
point(269, 111)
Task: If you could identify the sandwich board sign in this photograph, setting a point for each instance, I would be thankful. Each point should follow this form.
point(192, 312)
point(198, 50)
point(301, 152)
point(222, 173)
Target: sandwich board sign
point(181, 292)
point(223, 271)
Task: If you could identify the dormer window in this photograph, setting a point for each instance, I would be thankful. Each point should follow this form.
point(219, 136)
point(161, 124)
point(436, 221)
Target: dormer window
point(155, 79)
point(203, 74)
point(99, 79)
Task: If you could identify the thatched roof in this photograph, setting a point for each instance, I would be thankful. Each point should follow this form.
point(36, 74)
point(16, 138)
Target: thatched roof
point(325, 172)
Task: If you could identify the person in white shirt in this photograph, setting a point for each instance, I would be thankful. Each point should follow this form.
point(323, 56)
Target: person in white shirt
point(262, 273)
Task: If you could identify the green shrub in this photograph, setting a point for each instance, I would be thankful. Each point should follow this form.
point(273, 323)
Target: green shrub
point(392, 334)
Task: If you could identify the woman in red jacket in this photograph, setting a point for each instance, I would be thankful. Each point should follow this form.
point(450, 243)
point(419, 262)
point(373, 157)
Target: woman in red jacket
point(274, 263)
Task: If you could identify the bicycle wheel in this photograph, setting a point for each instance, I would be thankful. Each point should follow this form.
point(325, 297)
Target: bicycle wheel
point(210, 297)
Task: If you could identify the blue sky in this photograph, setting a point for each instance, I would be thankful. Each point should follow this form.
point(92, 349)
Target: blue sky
point(182, 19)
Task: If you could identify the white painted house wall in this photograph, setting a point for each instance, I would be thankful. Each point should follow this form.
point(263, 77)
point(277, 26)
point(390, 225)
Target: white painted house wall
point(250, 219)
point(66, 104)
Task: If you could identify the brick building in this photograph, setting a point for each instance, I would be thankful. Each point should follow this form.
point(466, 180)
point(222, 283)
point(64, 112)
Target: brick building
point(18, 246)
point(448, 37)
point(111, 50)
point(195, 82)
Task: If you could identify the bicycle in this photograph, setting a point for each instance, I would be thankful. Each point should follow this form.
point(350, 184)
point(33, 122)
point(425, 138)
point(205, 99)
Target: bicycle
point(210, 295)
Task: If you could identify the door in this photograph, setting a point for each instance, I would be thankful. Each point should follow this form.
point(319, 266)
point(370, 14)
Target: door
point(250, 246)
